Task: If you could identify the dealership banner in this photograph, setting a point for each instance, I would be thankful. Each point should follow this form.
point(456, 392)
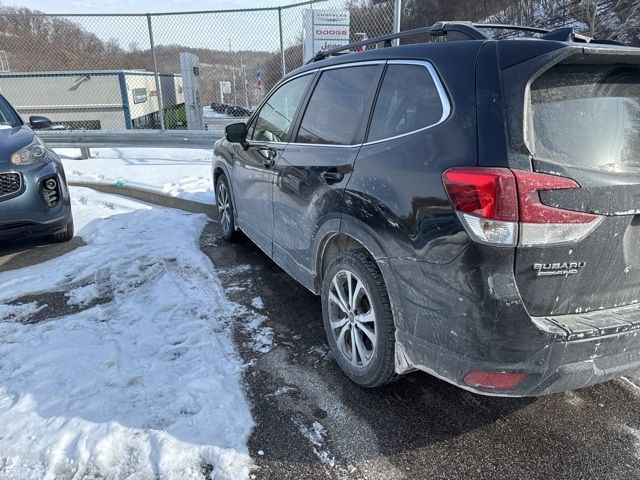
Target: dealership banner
point(323, 30)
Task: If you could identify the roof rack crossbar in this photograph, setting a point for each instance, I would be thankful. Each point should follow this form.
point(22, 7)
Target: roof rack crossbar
point(385, 39)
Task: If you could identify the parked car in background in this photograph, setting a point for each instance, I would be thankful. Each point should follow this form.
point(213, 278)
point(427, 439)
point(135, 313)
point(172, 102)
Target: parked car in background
point(468, 208)
point(218, 107)
point(231, 110)
point(59, 127)
point(238, 111)
point(34, 197)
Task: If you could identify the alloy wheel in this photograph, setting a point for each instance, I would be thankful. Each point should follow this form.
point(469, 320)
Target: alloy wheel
point(352, 318)
point(224, 206)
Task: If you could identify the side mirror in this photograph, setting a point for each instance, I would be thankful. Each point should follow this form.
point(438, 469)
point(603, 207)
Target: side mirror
point(236, 132)
point(38, 123)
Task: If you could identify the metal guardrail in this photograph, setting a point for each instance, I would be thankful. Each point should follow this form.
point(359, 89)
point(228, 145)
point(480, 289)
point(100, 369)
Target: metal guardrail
point(218, 124)
point(131, 138)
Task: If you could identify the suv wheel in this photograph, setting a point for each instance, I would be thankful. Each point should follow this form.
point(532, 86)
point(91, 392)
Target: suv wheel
point(358, 319)
point(225, 209)
point(65, 236)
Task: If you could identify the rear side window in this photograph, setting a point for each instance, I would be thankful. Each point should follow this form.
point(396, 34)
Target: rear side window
point(337, 104)
point(276, 115)
point(408, 101)
point(588, 117)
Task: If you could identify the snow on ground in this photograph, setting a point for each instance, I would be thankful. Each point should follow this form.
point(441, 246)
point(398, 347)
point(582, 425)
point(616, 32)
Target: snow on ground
point(179, 172)
point(315, 435)
point(257, 303)
point(631, 383)
point(141, 379)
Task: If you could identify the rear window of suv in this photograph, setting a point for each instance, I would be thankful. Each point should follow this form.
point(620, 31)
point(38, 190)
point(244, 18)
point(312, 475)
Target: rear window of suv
point(587, 117)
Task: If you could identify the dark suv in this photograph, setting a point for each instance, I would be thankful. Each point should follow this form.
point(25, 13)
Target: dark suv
point(469, 208)
point(34, 198)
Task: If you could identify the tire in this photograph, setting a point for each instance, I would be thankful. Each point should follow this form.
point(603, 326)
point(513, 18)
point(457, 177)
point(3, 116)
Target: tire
point(63, 236)
point(370, 318)
point(225, 209)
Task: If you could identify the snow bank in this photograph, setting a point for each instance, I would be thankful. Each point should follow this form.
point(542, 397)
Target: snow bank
point(179, 172)
point(207, 112)
point(141, 380)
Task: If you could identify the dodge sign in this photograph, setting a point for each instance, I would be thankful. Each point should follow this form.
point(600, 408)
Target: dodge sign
point(323, 30)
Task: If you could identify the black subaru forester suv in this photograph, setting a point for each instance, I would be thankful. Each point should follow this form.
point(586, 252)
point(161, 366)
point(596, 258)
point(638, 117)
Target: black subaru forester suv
point(469, 208)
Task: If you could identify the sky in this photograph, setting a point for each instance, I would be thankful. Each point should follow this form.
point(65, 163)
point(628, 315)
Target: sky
point(244, 31)
point(139, 6)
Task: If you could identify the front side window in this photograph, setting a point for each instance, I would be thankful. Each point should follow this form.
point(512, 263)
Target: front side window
point(276, 115)
point(408, 101)
point(337, 105)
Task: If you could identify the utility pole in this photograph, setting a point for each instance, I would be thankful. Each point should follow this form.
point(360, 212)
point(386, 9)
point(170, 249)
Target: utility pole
point(233, 69)
point(283, 62)
point(246, 85)
point(235, 96)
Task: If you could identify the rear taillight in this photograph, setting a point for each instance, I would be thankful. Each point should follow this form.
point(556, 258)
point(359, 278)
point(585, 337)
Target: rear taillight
point(544, 225)
point(501, 206)
point(486, 200)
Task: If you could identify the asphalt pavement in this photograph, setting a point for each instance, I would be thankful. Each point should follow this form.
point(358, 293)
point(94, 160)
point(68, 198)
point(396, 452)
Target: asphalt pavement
point(24, 252)
point(416, 428)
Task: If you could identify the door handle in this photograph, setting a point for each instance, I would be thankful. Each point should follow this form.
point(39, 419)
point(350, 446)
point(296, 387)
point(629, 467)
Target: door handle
point(331, 176)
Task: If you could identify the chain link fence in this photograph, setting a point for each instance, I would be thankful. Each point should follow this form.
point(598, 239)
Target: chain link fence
point(124, 71)
point(117, 72)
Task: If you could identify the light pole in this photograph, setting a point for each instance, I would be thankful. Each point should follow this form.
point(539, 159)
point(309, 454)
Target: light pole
point(397, 15)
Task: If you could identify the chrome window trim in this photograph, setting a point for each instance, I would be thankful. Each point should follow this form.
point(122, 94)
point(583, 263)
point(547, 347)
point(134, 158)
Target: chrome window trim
point(353, 64)
point(265, 143)
point(327, 145)
point(444, 99)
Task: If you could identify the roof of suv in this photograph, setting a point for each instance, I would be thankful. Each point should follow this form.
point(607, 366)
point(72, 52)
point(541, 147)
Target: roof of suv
point(455, 33)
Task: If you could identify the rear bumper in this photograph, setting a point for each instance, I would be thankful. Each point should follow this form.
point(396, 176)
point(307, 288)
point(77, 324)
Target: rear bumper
point(559, 367)
point(468, 315)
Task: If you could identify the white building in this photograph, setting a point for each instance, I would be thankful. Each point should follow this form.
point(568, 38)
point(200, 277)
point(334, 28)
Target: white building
point(108, 100)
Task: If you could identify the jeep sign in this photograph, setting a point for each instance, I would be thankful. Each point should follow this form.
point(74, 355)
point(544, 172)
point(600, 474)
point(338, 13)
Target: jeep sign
point(324, 29)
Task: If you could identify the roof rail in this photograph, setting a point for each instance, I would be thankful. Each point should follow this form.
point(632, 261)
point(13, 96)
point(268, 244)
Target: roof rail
point(456, 31)
point(564, 34)
point(501, 26)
